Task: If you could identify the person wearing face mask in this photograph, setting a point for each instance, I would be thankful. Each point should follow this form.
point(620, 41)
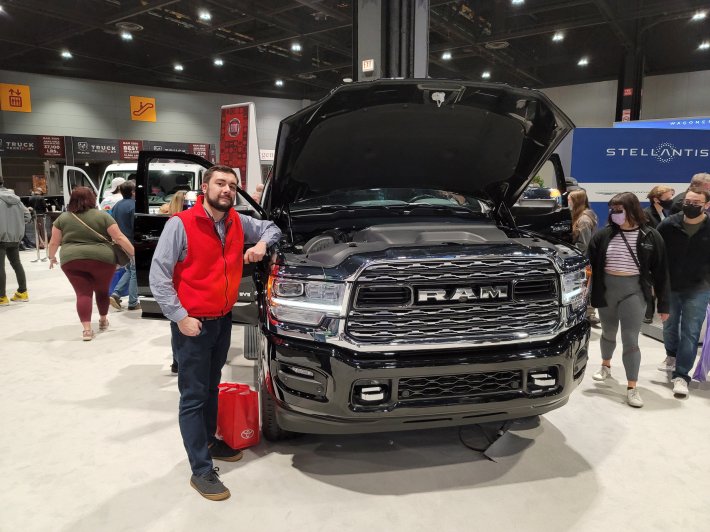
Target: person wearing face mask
point(628, 260)
point(701, 180)
point(661, 199)
point(194, 277)
point(687, 239)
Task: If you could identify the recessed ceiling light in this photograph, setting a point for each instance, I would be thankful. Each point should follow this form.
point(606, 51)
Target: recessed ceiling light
point(126, 36)
point(1, 9)
point(446, 56)
point(517, 2)
point(699, 15)
point(486, 74)
point(296, 47)
point(558, 36)
point(279, 83)
point(218, 62)
point(705, 45)
point(205, 15)
point(583, 61)
point(178, 67)
point(66, 54)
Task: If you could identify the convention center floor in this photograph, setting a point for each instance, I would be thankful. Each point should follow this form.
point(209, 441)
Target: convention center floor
point(90, 442)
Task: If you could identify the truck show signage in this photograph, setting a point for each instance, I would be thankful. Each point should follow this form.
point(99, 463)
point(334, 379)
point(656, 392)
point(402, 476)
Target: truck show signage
point(31, 146)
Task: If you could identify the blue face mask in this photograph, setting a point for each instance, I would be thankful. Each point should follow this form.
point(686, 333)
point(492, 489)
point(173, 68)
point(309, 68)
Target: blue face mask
point(618, 218)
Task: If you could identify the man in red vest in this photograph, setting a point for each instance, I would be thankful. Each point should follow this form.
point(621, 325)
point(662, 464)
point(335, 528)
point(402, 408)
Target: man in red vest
point(194, 277)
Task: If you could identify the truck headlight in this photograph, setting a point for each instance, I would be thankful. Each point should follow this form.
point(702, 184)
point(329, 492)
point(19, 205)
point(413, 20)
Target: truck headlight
point(304, 302)
point(575, 286)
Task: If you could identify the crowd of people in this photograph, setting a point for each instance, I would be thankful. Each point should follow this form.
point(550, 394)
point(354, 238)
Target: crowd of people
point(647, 261)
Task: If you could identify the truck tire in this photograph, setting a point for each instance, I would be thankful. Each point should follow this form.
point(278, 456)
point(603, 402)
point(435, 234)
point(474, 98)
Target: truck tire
point(251, 342)
point(269, 426)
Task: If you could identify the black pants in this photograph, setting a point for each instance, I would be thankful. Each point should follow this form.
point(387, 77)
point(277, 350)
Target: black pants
point(12, 250)
point(200, 360)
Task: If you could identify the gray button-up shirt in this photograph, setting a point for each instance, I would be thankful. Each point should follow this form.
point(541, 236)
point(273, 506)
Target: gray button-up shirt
point(172, 248)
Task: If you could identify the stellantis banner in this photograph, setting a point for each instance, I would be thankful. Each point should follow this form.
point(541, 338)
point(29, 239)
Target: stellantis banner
point(607, 161)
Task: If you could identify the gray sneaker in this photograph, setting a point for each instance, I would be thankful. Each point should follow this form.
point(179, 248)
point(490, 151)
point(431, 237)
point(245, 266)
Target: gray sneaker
point(668, 364)
point(680, 387)
point(210, 486)
point(633, 397)
point(603, 374)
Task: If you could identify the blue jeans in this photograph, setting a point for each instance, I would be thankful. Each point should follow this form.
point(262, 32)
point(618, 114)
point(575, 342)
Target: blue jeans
point(129, 278)
point(681, 330)
point(200, 360)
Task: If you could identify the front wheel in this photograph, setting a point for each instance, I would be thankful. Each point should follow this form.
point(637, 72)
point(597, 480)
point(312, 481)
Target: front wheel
point(269, 426)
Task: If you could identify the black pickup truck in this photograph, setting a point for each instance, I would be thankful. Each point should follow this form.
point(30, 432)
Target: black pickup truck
point(412, 287)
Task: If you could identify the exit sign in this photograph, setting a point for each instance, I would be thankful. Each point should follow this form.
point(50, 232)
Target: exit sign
point(368, 65)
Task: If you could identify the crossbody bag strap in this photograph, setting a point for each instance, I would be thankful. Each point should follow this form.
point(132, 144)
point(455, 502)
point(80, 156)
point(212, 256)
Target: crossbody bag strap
point(633, 255)
point(94, 231)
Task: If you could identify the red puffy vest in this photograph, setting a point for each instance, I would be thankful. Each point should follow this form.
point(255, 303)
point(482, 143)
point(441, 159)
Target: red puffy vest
point(207, 281)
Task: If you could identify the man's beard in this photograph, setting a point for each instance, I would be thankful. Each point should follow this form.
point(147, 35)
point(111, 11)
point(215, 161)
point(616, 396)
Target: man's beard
point(216, 205)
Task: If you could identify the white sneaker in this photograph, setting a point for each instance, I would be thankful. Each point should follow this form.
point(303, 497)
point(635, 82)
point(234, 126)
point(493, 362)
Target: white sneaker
point(603, 374)
point(668, 364)
point(680, 387)
point(633, 397)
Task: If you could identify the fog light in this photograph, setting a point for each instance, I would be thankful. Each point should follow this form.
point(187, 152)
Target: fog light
point(370, 393)
point(542, 380)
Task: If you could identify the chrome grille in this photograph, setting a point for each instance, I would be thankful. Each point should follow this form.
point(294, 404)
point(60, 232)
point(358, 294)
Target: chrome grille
point(532, 311)
point(467, 385)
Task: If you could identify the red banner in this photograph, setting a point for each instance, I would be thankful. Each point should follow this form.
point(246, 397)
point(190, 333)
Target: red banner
point(234, 137)
point(203, 150)
point(51, 147)
point(128, 149)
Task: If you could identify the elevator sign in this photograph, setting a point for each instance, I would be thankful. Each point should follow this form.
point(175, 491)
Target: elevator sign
point(15, 98)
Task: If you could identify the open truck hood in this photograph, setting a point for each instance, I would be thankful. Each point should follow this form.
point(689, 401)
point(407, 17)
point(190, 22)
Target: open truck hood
point(481, 139)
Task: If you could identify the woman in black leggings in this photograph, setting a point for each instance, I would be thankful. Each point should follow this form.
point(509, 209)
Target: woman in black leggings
point(628, 258)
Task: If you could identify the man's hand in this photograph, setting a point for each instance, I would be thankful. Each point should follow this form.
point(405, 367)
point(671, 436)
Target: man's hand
point(189, 326)
point(663, 316)
point(255, 253)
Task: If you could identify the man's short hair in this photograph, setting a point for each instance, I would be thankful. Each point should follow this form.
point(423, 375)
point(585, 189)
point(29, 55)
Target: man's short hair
point(218, 168)
point(127, 189)
point(700, 180)
point(701, 191)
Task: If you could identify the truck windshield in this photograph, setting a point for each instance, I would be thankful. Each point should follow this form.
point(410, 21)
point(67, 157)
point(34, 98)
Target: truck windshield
point(390, 197)
point(162, 184)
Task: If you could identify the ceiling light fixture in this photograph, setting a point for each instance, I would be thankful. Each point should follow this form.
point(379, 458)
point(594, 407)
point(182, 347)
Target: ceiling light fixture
point(558, 36)
point(446, 56)
point(583, 62)
point(205, 15)
point(218, 62)
point(347, 80)
point(699, 15)
point(178, 68)
point(126, 36)
point(66, 54)
point(486, 74)
point(296, 47)
point(705, 45)
point(279, 83)
point(517, 2)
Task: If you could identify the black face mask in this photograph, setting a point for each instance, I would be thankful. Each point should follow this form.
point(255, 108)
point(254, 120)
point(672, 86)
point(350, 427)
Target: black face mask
point(692, 211)
point(666, 204)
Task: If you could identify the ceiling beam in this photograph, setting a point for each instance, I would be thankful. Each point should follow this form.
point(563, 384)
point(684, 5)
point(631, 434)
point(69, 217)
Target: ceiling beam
point(611, 17)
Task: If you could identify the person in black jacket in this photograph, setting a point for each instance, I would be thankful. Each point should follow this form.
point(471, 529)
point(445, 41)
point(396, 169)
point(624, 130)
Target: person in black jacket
point(687, 239)
point(661, 199)
point(628, 258)
point(701, 180)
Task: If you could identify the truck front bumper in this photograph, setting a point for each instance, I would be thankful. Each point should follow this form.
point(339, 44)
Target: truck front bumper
point(320, 389)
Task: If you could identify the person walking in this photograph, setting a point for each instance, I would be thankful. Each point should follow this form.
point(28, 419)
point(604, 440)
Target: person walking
point(584, 224)
point(687, 239)
point(13, 217)
point(124, 213)
point(661, 199)
point(39, 208)
point(701, 180)
point(628, 259)
point(87, 258)
point(194, 277)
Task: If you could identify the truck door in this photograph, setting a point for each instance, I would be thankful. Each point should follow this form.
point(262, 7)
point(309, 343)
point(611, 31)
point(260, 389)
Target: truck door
point(73, 177)
point(543, 206)
point(152, 189)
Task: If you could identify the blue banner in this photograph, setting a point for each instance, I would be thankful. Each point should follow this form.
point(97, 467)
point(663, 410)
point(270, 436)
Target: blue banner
point(701, 122)
point(606, 161)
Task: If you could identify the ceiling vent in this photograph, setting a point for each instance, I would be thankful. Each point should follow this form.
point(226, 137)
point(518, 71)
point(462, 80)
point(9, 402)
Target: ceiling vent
point(497, 45)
